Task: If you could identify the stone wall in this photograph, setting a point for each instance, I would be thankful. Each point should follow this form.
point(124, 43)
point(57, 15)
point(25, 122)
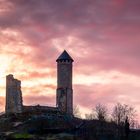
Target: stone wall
point(13, 95)
point(39, 108)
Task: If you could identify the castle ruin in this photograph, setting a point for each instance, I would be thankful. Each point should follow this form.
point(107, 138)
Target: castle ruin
point(64, 92)
point(13, 95)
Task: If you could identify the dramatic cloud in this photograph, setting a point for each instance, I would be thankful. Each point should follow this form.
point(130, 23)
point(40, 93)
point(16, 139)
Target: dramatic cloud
point(102, 36)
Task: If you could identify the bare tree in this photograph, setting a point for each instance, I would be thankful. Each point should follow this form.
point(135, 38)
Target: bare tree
point(90, 116)
point(121, 112)
point(101, 112)
point(76, 112)
point(135, 124)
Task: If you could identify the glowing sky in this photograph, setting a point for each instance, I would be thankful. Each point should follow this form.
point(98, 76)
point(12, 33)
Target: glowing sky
point(102, 36)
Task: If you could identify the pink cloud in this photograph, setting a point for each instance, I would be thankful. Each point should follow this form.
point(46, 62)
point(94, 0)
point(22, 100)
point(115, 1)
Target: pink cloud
point(2, 103)
point(42, 100)
point(101, 36)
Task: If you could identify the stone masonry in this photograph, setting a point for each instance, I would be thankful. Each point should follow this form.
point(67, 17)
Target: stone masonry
point(64, 97)
point(64, 83)
point(13, 95)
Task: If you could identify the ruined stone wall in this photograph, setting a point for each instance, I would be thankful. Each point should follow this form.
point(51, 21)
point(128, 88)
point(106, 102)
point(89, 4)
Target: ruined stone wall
point(39, 108)
point(13, 95)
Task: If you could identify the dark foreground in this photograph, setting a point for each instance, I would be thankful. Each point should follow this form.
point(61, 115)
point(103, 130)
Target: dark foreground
point(52, 126)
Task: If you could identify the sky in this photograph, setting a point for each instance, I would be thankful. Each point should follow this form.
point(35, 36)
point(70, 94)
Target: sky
point(102, 36)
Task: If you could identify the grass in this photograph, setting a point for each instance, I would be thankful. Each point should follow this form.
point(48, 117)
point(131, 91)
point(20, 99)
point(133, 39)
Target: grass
point(23, 135)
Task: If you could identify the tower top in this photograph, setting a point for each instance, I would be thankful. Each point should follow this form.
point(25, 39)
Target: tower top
point(64, 56)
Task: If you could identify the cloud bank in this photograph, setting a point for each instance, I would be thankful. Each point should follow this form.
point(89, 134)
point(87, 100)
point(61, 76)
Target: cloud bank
point(101, 36)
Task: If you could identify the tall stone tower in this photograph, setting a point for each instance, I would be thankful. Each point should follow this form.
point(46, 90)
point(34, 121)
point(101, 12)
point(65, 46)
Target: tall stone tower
point(13, 95)
point(64, 99)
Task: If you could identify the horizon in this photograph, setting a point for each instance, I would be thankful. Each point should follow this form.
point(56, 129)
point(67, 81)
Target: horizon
point(102, 38)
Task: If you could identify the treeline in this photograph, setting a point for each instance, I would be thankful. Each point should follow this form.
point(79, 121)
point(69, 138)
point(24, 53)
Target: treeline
point(119, 114)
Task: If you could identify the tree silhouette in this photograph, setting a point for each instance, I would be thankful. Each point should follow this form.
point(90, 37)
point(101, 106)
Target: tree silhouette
point(121, 112)
point(76, 112)
point(90, 116)
point(101, 112)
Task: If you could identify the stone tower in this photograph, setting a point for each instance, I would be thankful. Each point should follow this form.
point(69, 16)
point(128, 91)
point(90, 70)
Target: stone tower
point(64, 83)
point(13, 95)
